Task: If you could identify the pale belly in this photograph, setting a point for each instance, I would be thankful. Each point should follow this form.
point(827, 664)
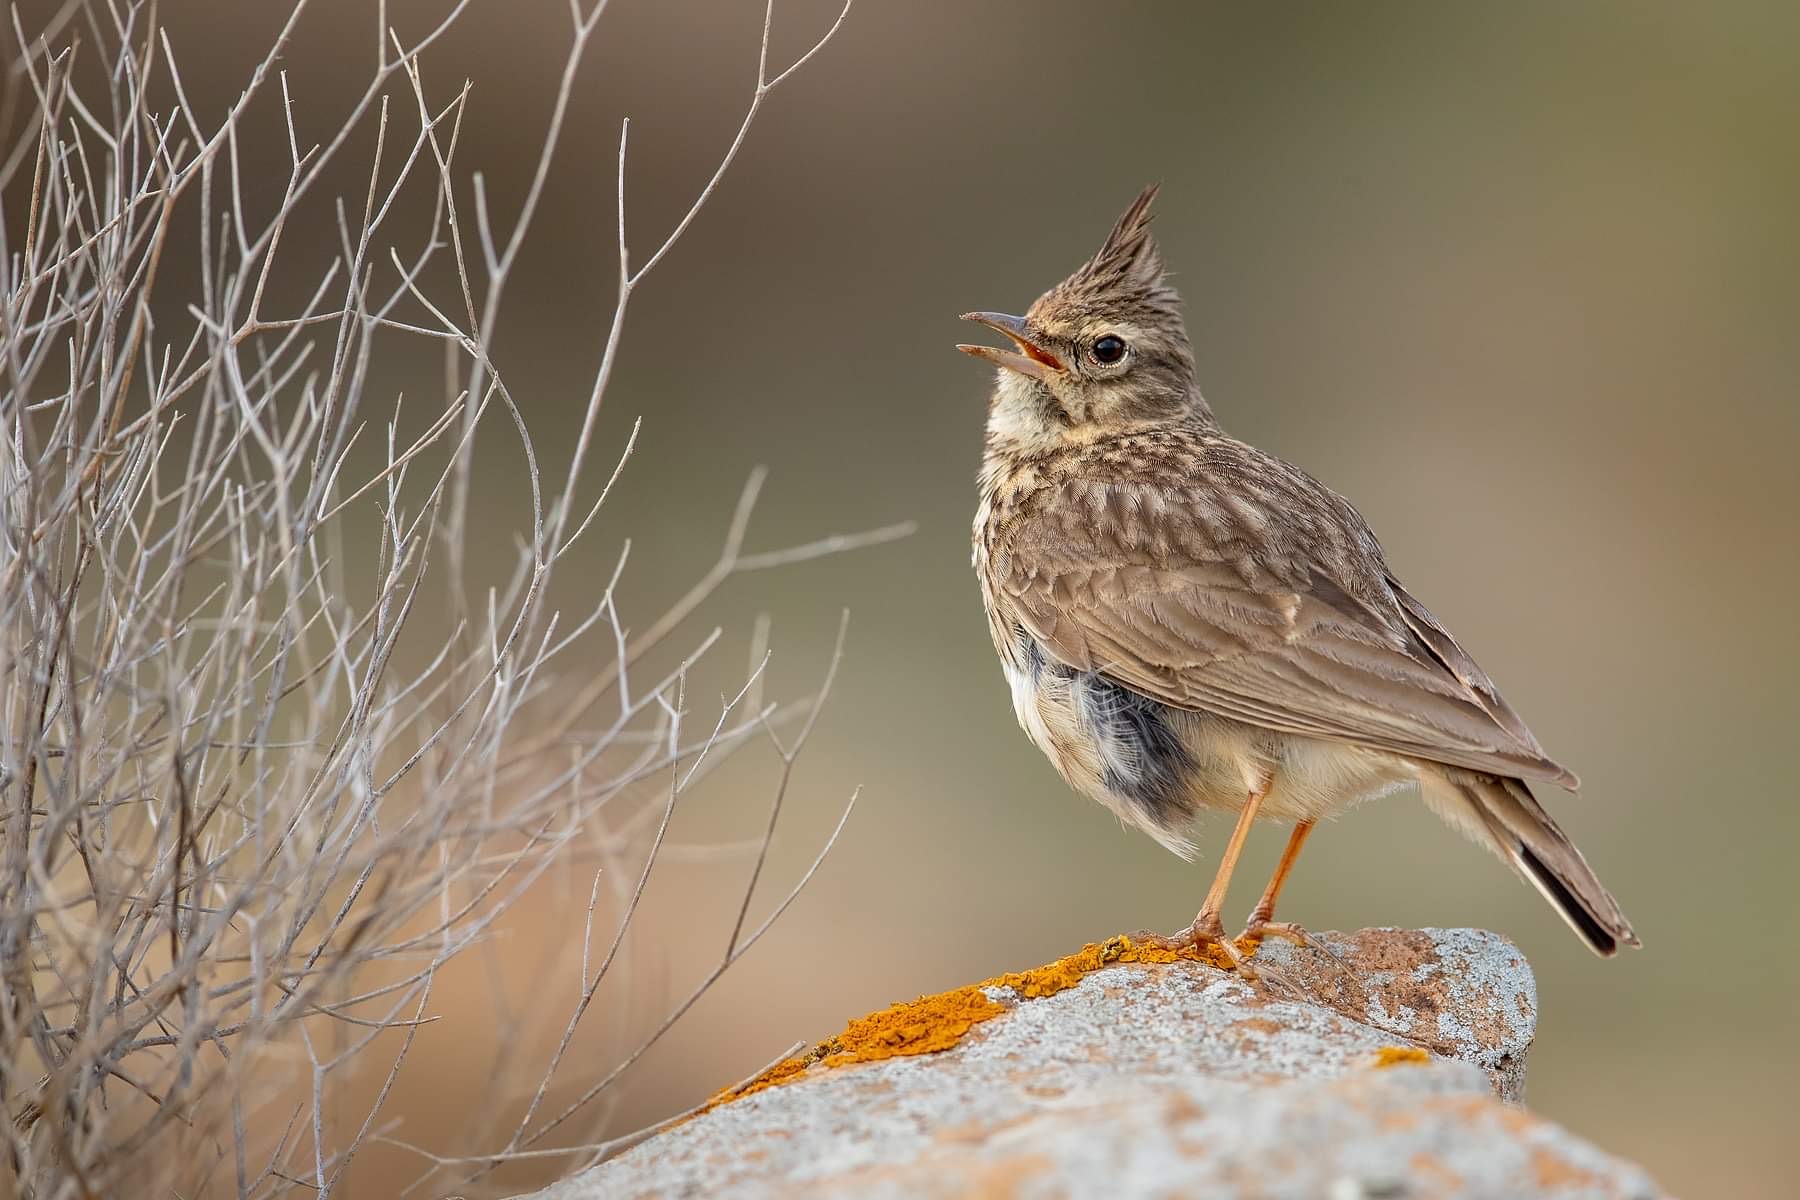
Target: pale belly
point(1157, 767)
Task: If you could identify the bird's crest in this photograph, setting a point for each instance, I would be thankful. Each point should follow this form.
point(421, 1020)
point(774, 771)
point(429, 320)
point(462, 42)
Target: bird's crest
point(1129, 254)
point(1126, 271)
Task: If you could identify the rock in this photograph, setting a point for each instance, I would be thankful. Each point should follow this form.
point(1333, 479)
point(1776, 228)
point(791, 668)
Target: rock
point(1383, 1072)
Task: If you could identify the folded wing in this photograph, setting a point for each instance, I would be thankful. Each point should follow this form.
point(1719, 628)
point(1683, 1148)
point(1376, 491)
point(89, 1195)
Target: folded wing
point(1260, 596)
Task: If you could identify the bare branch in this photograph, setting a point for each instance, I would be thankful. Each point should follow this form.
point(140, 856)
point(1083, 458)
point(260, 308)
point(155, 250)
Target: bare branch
point(252, 804)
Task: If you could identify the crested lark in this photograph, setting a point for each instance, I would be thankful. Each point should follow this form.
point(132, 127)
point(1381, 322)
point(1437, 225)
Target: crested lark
point(1187, 622)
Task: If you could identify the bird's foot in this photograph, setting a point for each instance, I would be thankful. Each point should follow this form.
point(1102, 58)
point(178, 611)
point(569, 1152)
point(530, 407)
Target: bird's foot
point(1203, 941)
point(1260, 929)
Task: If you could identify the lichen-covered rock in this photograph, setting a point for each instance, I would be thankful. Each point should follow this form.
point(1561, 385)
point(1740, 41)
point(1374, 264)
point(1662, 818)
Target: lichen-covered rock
point(1376, 1071)
point(1461, 993)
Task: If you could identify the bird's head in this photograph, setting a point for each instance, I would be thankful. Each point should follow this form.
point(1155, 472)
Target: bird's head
point(1104, 350)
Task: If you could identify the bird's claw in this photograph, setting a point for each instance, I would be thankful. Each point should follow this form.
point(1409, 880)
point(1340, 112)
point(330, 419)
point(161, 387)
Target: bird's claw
point(1194, 942)
point(1261, 929)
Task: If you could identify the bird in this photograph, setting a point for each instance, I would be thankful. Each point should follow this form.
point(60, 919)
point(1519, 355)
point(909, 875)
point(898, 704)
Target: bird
point(1188, 623)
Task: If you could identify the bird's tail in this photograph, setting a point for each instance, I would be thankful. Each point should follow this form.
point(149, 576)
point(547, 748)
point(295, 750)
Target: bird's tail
point(1503, 815)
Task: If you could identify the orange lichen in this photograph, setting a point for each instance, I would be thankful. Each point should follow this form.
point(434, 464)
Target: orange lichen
point(1429, 1167)
point(1394, 1056)
point(922, 1026)
point(1554, 1173)
point(933, 1023)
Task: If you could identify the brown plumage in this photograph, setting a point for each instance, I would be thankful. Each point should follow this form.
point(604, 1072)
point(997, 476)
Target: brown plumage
point(1187, 622)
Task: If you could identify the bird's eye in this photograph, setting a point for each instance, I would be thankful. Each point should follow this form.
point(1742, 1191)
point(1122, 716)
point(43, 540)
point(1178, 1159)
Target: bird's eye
point(1109, 349)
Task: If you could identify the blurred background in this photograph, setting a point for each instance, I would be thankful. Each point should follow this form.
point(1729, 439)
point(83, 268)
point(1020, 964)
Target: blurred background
point(1523, 281)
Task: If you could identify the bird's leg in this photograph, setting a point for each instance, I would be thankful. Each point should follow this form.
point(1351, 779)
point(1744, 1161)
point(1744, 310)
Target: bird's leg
point(1207, 929)
point(1262, 923)
point(1206, 922)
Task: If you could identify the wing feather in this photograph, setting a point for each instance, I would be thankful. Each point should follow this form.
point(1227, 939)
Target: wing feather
point(1275, 609)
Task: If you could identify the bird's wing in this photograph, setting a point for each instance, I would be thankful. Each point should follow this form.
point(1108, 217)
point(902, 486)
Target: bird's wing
point(1263, 598)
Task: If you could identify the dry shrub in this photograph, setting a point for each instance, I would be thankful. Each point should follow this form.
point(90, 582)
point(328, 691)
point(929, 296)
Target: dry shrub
point(252, 801)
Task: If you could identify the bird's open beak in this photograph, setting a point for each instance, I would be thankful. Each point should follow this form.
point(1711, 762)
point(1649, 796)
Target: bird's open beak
point(1036, 361)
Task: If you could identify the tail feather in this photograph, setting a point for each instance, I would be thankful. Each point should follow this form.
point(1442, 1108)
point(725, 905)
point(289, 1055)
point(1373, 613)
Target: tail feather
point(1503, 815)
